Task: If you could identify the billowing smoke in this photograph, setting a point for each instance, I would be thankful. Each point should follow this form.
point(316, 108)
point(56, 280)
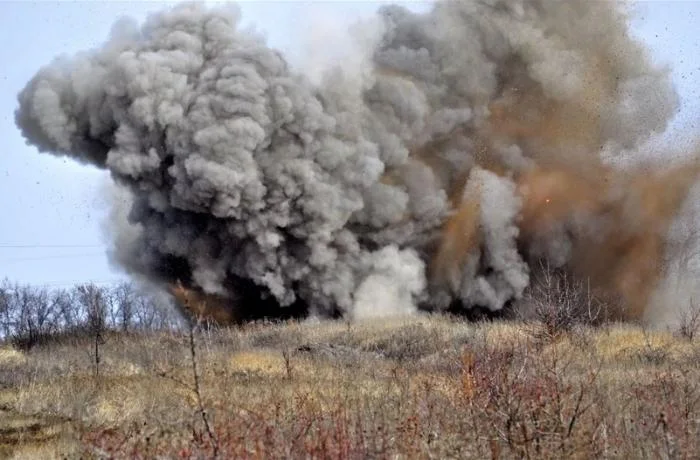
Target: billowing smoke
point(466, 146)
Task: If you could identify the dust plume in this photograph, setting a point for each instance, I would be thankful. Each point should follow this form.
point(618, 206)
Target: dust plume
point(462, 147)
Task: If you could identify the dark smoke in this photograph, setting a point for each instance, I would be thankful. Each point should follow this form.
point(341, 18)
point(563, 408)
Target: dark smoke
point(471, 143)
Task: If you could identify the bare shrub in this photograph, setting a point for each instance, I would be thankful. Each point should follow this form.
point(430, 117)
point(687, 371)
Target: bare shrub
point(559, 303)
point(498, 398)
point(652, 353)
point(689, 321)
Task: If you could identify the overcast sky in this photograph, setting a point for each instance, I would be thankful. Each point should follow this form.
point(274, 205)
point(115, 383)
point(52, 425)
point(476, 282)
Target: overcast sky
point(51, 209)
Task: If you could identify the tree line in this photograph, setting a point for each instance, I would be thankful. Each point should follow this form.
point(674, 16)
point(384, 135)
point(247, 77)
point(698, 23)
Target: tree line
point(29, 313)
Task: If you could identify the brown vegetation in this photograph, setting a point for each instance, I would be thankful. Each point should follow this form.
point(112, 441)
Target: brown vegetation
point(413, 388)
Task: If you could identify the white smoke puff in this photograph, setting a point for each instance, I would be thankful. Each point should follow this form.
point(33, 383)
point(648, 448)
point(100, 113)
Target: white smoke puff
point(508, 274)
point(401, 105)
point(384, 205)
point(512, 156)
point(396, 277)
point(552, 244)
point(209, 274)
point(445, 121)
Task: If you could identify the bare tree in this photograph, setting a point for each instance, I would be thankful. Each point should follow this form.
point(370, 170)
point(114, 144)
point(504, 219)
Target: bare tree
point(29, 314)
point(124, 299)
point(152, 313)
point(93, 300)
point(6, 324)
point(33, 315)
point(56, 299)
point(145, 312)
point(67, 312)
point(41, 312)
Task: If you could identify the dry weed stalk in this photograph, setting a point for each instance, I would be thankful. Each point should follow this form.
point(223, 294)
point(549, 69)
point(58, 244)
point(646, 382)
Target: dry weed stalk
point(468, 382)
point(194, 325)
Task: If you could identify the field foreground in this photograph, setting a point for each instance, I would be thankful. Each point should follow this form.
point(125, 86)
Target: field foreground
point(415, 388)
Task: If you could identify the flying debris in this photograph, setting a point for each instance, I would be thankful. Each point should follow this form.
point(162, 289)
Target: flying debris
point(474, 142)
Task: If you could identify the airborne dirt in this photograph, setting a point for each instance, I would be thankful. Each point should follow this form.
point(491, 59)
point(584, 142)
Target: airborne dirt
point(472, 144)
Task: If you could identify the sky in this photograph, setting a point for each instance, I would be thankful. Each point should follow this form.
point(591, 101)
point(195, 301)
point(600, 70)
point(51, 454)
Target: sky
point(51, 209)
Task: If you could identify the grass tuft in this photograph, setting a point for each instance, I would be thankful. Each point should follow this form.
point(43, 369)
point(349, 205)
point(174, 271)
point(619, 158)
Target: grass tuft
point(409, 388)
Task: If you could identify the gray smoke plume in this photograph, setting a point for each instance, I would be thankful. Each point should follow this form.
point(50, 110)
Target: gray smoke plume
point(406, 181)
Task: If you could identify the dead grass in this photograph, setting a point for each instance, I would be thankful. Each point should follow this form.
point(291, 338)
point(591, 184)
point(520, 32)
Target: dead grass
point(9, 356)
point(427, 387)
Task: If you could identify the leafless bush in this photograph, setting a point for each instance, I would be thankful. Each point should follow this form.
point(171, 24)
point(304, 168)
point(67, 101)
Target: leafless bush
point(529, 405)
point(499, 397)
point(560, 302)
point(197, 387)
point(689, 321)
point(652, 353)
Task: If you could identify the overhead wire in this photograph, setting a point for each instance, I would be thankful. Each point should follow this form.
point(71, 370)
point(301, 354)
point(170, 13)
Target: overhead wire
point(37, 246)
point(8, 258)
point(49, 257)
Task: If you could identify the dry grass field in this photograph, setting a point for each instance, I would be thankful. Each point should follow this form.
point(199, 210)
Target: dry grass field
point(430, 387)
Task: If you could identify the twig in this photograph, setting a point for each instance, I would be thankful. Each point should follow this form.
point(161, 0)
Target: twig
point(197, 388)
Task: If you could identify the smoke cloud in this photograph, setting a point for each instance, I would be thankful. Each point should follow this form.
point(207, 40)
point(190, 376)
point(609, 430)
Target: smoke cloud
point(462, 147)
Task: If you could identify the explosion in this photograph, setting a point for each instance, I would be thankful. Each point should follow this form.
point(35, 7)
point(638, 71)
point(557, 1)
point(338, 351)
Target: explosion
point(474, 142)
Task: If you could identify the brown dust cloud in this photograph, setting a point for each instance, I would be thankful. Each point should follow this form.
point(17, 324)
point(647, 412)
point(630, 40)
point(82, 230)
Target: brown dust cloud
point(464, 149)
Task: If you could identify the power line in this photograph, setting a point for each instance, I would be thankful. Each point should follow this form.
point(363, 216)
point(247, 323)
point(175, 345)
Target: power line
point(36, 246)
point(58, 256)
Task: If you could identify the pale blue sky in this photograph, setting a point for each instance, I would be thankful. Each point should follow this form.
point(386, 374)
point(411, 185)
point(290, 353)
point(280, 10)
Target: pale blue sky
point(51, 209)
